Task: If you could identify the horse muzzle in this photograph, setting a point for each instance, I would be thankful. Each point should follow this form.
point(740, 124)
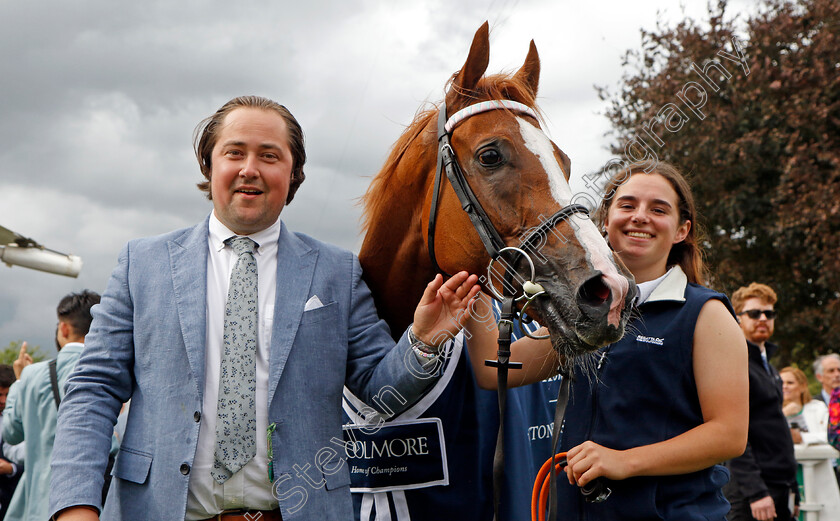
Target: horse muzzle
point(590, 316)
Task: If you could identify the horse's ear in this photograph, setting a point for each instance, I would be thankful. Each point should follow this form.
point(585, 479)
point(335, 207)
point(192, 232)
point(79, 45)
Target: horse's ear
point(565, 162)
point(530, 71)
point(467, 78)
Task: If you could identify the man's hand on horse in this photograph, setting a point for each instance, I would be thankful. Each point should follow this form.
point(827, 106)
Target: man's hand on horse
point(444, 306)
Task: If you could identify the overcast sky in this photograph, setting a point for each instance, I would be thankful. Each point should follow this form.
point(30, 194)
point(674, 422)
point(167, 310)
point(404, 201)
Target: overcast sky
point(98, 101)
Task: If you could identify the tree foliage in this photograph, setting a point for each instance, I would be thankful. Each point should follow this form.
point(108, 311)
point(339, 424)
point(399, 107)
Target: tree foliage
point(10, 353)
point(762, 152)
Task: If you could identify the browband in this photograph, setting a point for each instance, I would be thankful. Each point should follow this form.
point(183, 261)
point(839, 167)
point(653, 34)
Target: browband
point(484, 106)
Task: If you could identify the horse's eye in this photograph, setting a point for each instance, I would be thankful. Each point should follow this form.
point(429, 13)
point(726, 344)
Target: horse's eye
point(490, 157)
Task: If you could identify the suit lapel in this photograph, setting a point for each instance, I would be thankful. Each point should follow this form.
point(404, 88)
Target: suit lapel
point(295, 269)
point(188, 258)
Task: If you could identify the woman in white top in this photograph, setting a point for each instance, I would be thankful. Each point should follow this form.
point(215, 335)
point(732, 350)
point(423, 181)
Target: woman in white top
point(808, 418)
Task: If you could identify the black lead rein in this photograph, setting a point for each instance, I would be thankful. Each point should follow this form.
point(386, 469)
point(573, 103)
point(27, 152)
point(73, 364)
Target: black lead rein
point(502, 364)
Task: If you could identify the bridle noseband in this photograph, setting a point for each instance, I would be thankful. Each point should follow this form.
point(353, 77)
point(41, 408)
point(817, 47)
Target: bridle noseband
point(493, 242)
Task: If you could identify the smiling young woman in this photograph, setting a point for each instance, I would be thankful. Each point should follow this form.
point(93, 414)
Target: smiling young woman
point(671, 397)
point(651, 222)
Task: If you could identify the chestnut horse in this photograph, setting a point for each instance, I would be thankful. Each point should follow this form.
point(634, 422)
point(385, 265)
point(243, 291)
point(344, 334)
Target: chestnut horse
point(519, 178)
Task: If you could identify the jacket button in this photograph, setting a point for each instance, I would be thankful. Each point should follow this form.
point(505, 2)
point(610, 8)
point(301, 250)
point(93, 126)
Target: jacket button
point(197, 416)
point(185, 469)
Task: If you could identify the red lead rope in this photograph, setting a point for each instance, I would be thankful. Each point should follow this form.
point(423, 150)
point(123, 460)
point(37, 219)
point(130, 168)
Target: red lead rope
point(539, 496)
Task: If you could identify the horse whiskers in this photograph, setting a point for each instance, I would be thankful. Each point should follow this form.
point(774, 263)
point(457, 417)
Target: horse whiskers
point(546, 359)
point(590, 362)
point(587, 362)
point(631, 328)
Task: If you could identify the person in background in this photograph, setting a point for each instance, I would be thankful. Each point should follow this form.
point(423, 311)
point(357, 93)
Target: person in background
point(764, 477)
point(808, 418)
point(10, 455)
point(31, 409)
point(834, 419)
point(827, 372)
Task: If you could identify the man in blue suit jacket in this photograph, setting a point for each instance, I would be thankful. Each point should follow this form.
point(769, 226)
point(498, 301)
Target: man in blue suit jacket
point(156, 339)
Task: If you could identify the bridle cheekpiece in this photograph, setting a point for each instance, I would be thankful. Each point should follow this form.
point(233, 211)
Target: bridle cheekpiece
point(493, 242)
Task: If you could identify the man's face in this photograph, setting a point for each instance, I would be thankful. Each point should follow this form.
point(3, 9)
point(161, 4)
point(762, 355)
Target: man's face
point(4, 393)
point(830, 377)
point(251, 169)
point(756, 330)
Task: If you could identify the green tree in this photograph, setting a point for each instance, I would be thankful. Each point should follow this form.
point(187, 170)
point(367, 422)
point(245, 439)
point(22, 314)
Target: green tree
point(10, 353)
point(762, 151)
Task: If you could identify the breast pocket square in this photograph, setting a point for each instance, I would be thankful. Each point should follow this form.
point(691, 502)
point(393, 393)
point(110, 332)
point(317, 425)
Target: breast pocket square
point(313, 303)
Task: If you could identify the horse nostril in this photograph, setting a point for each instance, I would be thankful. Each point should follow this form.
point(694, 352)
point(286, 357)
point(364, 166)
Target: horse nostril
point(594, 292)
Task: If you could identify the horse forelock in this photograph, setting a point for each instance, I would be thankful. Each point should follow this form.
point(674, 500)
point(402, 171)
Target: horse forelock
point(499, 86)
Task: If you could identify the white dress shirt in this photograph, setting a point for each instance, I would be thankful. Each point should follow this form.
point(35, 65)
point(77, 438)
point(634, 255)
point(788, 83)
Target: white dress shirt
point(249, 487)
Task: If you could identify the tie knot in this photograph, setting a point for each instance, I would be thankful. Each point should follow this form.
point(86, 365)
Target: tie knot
point(242, 245)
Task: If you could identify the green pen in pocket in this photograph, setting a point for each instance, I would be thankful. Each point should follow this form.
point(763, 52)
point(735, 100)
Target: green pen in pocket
point(270, 430)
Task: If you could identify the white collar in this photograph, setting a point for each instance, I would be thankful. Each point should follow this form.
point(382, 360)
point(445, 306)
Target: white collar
point(670, 286)
point(219, 233)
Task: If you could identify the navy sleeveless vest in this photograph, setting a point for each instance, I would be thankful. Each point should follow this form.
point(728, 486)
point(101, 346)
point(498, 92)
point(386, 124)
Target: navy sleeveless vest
point(642, 393)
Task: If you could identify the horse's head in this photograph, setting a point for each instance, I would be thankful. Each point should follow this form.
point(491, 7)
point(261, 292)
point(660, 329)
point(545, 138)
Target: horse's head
point(520, 179)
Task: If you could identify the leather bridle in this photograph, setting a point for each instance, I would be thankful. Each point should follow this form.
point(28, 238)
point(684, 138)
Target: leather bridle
point(448, 162)
point(496, 248)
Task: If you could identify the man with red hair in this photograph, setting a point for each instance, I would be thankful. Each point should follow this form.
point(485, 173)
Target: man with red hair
point(763, 479)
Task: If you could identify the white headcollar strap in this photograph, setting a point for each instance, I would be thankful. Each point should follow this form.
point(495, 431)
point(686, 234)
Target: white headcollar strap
point(484, 106)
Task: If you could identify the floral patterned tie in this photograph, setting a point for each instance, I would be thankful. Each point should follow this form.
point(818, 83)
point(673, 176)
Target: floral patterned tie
point(236, 424)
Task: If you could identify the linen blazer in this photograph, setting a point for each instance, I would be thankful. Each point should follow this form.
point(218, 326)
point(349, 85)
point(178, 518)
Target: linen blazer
point(30, 419)
point(147, 343)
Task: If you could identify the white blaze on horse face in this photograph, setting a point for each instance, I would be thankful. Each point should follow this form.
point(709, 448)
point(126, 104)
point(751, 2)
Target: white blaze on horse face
point(598, 253)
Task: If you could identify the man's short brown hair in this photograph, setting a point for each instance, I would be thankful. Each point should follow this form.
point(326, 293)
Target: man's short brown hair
point(762, 292)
